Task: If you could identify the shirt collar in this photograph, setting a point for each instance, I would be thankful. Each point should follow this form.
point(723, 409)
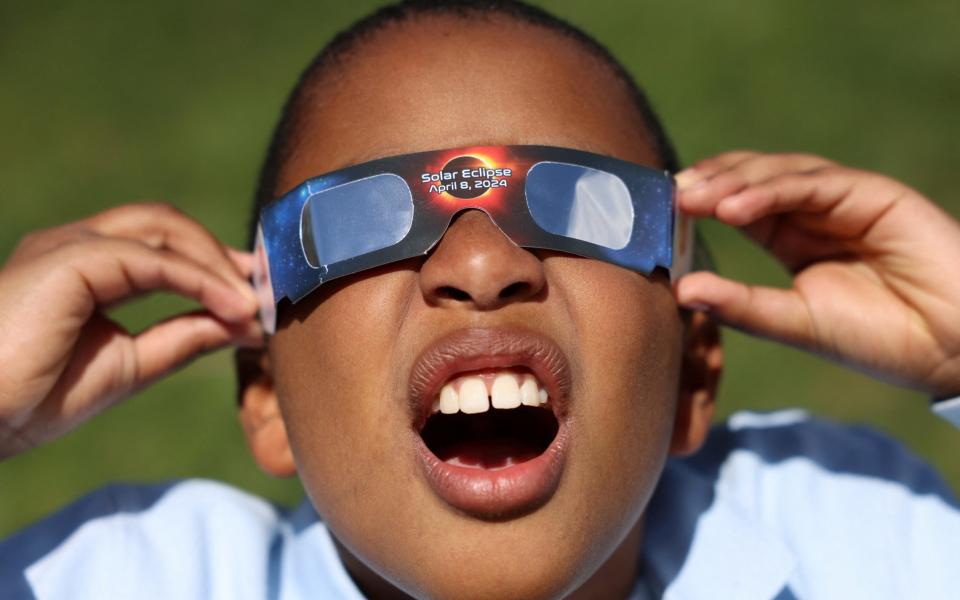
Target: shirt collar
point(310, 566)
point(699, 543)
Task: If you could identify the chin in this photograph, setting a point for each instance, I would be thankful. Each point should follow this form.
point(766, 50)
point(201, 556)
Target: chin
point(549, 553)
point(528, 577)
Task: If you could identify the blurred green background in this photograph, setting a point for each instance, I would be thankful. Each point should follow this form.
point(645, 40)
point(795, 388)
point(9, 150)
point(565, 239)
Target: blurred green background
point(108, 102)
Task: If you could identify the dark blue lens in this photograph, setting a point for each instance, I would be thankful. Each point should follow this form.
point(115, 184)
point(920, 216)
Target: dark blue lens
point(355, 218)
point(580, 203)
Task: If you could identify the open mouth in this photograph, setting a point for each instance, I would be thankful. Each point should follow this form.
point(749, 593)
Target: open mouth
point(491, 419)
point(490, 410)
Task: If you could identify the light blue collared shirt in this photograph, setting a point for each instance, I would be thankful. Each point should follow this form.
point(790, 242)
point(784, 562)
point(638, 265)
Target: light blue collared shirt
point(774, 506)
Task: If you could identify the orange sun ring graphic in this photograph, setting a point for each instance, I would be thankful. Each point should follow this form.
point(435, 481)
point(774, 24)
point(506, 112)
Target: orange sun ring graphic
point(491, 157)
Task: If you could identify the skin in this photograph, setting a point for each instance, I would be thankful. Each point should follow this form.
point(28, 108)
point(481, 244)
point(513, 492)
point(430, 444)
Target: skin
point(341, 359)
point(326, 401)
point(890, 253)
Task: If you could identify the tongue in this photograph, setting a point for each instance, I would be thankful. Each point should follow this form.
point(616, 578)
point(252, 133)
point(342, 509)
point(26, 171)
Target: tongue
point(489, 454)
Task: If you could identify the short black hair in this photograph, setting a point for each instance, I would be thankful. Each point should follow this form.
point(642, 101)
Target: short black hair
point(284, 137)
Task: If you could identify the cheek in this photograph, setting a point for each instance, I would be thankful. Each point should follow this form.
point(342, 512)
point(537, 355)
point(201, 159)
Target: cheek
point(633, 366)
point(340, 408)
point(629, 336)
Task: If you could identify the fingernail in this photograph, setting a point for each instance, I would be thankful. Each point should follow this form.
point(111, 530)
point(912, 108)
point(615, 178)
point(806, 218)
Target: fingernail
point(688, 179)
point(246, 290)
point(249, 335)
point(699, 306)
point(242, 260)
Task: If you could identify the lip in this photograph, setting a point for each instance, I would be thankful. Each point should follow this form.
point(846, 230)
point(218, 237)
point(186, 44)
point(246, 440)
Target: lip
point(520, 488)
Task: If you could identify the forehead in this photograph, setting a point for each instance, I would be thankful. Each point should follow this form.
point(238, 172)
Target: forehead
point(441, 82)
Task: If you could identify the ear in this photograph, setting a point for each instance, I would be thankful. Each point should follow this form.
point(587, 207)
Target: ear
point(260, 415)
point(699, 379)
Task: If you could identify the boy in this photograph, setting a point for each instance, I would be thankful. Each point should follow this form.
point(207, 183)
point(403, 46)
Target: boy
point(341, 394)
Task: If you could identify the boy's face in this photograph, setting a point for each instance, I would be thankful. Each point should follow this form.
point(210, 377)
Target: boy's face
point(345, 361)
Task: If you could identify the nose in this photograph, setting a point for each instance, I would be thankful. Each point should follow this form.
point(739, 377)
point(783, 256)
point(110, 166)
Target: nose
point(476, 266)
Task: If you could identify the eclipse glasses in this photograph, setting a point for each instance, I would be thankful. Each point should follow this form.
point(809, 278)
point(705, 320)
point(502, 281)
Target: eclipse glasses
point(391, 209)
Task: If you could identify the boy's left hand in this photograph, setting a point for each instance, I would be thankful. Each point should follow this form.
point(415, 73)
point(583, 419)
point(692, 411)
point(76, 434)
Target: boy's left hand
point(876, 266)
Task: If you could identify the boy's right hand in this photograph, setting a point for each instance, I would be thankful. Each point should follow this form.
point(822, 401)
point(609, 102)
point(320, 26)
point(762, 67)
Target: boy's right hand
point(62, 360)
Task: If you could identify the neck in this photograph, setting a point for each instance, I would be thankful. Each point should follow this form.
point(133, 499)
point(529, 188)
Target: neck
point(615, 578)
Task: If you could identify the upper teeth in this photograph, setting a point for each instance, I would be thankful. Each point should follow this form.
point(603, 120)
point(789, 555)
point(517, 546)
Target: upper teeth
point(473, 394)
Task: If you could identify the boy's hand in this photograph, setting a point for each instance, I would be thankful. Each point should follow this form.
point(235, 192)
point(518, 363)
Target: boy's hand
point(876, 265)
point(62, 360)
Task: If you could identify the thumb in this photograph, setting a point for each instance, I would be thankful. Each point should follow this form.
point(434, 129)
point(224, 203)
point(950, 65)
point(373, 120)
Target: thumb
point(781, 315)
point(171, 344)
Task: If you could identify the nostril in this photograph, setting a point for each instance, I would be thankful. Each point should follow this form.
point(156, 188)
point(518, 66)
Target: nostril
point(516, 289)
point(448, 291)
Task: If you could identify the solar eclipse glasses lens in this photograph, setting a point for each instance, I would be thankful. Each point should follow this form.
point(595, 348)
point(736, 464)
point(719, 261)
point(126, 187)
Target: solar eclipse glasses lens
point(386, 210)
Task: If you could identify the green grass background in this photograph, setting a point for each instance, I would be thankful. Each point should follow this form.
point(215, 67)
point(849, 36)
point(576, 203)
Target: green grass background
point(108, 102)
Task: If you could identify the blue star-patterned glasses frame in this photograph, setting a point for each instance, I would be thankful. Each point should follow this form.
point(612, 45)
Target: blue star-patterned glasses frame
point(391, 209)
